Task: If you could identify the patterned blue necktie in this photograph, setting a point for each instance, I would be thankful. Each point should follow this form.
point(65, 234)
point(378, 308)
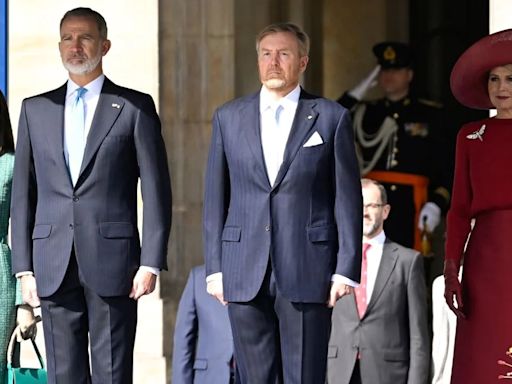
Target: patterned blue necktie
point(76, 134)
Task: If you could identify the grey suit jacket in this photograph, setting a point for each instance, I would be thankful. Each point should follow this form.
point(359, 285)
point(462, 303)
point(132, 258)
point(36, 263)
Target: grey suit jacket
point(99, 214)
point(203, 343)
point(309, 220)
point(392, 336)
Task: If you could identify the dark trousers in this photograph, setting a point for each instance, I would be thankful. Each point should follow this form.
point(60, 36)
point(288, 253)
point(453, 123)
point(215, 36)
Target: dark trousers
point(356, 374)
point(74, 316)
point(277, 341)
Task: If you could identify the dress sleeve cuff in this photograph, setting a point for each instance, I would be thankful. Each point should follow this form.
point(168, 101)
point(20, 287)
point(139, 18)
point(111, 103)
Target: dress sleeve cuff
point(214, 277)
point(345, 280)
point(154, 271)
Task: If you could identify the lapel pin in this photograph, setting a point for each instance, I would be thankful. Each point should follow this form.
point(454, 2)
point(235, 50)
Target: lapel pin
point(310, 117)
point(115, 105)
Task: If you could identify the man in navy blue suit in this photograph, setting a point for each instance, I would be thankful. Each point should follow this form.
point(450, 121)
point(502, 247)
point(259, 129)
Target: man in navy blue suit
point(82, 150)
point(203, 343)
point(282, 216)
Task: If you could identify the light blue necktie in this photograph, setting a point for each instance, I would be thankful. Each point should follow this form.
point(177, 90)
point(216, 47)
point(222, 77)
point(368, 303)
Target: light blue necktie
point(77, 139)
point(275, 157)
point(279, 109)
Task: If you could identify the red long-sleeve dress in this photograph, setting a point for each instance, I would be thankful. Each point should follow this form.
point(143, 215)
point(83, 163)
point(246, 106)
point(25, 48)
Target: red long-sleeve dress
point(483, 190)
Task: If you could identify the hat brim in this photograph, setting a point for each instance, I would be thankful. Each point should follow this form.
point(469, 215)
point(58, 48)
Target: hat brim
point(468, 80)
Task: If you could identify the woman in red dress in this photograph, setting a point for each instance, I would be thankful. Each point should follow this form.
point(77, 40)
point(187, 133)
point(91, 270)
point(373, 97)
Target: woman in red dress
point(482, 78)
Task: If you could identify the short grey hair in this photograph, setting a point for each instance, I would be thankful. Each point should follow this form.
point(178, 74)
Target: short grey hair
point(90, 13)
point(295, 30)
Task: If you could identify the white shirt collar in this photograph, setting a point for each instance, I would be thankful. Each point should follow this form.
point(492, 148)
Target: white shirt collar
point(290, 100)
point(378, 240)
point(93, 88)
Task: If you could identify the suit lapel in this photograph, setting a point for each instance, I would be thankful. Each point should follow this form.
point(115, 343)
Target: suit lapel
point(250, 123)
point(305, 118)
point(387, 264)
point(108, 109)
point(55, 125)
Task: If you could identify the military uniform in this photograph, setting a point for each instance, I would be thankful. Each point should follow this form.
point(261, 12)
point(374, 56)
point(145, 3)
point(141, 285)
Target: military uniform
point(404, 138)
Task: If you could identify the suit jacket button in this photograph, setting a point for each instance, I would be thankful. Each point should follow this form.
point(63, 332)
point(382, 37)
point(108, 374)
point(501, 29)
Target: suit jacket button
point(267, 228)
point(75, 198)
point(71, 226)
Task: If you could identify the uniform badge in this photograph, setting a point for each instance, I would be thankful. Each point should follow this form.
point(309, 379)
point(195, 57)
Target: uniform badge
point(389, 54)
point(477, 134)
point(416, 129)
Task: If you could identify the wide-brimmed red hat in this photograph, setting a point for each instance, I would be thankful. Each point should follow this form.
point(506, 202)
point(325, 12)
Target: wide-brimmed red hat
point(470, 73)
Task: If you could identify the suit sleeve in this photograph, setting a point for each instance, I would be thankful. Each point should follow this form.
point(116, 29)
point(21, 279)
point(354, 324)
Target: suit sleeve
point(185, 336)
point(349, 203)
point(23, 200)
point(216, 199)
point(155, 186)
point(458, 220)
point(418, 327)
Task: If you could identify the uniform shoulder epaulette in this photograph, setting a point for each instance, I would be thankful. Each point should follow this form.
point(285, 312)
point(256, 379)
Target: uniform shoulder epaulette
point(431, 103)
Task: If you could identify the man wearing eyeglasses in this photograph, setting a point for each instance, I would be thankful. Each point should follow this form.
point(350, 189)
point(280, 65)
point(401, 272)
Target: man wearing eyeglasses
point(380, 334)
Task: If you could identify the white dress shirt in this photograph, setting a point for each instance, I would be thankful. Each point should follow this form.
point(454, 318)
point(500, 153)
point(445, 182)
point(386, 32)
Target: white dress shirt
point(90, 99)
point(276, 129)
point(373, 258)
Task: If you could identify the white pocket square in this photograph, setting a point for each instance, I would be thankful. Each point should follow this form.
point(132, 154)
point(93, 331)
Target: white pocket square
point(315, 139)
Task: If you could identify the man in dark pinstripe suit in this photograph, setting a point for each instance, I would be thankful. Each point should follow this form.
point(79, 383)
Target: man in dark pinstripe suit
point(282, 216)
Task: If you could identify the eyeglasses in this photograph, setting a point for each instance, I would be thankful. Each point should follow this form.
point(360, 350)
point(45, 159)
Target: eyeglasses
point(373, 205)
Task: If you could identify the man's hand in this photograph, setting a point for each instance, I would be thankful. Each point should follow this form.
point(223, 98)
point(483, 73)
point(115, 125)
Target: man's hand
point(144, 283)
point(29, 291)
point(338, 290)
point(27, 323)
point(214, 288)
point(360, 90)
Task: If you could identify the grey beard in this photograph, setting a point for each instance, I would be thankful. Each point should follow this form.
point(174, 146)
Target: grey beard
point(274, 83)
point(82, 69)
point(371, 230)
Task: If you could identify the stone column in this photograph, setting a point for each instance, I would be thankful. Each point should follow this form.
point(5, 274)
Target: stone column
point(197, 71)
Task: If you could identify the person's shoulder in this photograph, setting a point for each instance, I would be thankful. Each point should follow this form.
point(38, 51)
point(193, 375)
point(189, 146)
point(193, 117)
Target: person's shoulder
point(46, 95)
point(322, 103)
point(404, 252)
point(472, 127)
point(125, 92)
point(238, 102)
point(133, 99)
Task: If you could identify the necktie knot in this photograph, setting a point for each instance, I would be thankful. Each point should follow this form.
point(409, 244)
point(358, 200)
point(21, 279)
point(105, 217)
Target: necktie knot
point(366, 246)
point(80, 92)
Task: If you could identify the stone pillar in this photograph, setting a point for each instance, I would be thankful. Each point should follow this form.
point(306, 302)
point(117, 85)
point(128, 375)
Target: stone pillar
point(197, 72)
